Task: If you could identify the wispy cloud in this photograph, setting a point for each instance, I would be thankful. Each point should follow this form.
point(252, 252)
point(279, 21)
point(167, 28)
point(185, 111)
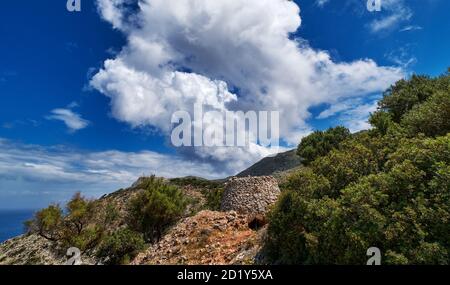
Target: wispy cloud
point(19, 123)
point(353, 113)
point(29, 170)
point(394, 13)
point(73, 121)
point(411, 28)
point(402, 56)
point(321, 3)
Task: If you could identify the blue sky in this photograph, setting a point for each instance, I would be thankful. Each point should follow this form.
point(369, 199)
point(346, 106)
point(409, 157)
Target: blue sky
point(67, 125)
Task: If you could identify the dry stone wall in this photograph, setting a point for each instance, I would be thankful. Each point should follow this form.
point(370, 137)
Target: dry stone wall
point(250, 195)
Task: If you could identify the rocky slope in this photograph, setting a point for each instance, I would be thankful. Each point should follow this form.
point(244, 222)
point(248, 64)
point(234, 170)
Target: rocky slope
point(201, 237)
point(35, 250)
point(208, 238)
point(29, 250)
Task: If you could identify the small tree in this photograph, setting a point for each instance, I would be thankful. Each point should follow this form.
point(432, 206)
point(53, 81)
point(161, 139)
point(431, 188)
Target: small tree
point(156, 208)
point(80, 229)
point(79, 212)
point(47, 223)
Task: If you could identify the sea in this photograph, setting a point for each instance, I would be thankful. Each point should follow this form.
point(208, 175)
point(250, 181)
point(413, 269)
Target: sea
point(11, 223)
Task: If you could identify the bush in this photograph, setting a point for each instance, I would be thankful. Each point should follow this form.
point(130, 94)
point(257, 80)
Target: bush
point(196, 182)
point(431, 118)
point(74, 229)
point(47, 223)
point(320, 143)
point(79, 213)
point(213, 198)
point(211, 190)
point(80, 229)
point(121, 246)
point(404, 209)
point(387, 188)
point(156, 208)
point(382, 121)
point(405, 94)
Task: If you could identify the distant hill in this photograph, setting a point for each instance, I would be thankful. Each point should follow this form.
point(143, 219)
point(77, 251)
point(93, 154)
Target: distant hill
point(273, 165)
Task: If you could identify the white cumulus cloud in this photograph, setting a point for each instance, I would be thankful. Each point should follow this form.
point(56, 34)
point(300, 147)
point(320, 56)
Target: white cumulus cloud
point(228, 55)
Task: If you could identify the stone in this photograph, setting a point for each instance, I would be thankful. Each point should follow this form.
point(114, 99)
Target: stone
point(250, 195)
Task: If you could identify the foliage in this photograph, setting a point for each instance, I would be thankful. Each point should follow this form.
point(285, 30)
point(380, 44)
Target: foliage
point(75, 228)
point(341, 167)
point(213, 198)
point(111, 214)
point(382, 121)
point(388, 187)
point(320, 143)
point(405, 94)
point(404, 210)
point(196, 182)
point(431, 118)
point(79, 213)
point(47, 222)
point(156, 208)
point(211, 190)
point(121, 246)
point(79, 230)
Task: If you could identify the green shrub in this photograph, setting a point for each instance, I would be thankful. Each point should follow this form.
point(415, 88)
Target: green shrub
point(121, 246)
point(196, 182)
point(341, 167)
point(404, 210)
point(320, 143)
point(80, 229)
point(213, 198)
point(156, 208)
point(387, 188)
point(431, 118)
point(47, 223)
point(79, 213)
point(88, 239)
point(75, 228)
point(211, 190)
point(111, 214)
point(382, 121)
point(405, 94)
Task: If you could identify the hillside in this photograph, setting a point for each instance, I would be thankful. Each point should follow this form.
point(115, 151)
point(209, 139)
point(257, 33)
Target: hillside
point(388, 187)
point(273, 165)
point(231, 239)
point(208, 238)
point(199, 236)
